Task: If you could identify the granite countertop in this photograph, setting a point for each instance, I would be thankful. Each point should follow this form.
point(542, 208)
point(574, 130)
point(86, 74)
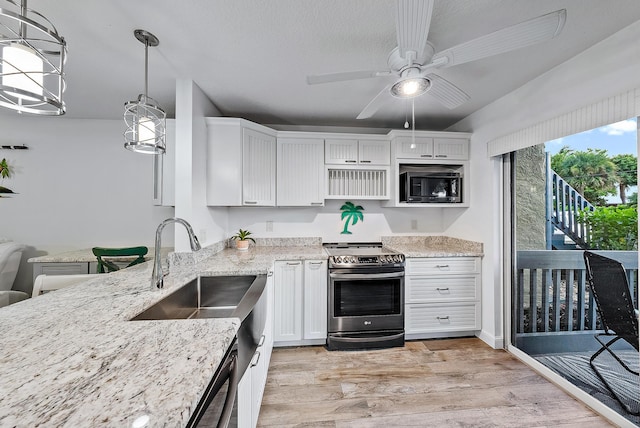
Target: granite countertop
point(72, 358)
point(84, 255)
point(433, 246)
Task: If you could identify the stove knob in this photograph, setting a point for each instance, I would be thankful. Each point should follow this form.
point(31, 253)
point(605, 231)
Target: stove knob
point(384, 259)
point(352, 260)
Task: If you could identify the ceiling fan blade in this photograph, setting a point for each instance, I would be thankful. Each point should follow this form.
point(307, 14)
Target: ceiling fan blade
point(413, 19)
point(375, 104)
point(527, 33)
point(341, 77)
point(446, 92)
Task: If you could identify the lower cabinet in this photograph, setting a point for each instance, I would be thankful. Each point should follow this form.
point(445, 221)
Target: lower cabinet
point(71, 268)
point(442, 296)
point(251, 386)
point(300, 308)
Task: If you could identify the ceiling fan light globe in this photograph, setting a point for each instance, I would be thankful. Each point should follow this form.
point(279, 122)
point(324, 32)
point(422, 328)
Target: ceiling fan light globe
point(411, 87)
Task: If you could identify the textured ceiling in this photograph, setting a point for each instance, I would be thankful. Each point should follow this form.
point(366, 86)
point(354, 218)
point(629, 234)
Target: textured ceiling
point(252, 57)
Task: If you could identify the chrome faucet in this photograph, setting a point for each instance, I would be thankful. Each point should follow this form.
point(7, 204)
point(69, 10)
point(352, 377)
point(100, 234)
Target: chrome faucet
point(157, 277)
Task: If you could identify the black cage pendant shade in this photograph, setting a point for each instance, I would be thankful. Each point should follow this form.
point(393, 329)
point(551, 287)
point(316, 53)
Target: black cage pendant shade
point(145, 119)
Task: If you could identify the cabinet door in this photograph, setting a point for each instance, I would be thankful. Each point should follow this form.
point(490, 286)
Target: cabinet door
point(245, 400)
point(341, 151)
point(409, 148)
point(451, 148)
point(258, 168)
point(75, 268)
point(374, 152)
point(300, 170)
point(315, 299)
point(287, 307)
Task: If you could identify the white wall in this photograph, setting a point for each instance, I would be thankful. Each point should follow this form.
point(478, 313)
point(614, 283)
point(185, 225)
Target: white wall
point(192, 106)
point(326, 223)
point(77, 186)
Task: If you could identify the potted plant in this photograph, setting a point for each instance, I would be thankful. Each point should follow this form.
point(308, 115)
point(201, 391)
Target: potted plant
point(242, 239)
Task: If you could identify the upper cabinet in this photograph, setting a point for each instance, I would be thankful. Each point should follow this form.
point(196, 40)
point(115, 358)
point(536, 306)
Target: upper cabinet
point(430, 148)
point(241, 163)
point(300, 171)
point(343, 151)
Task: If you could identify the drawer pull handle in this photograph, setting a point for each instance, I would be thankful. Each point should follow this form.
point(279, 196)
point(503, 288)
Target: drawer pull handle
point(251, 202)
point(350, 161)
point(261, 341)
point(442, 289)
point(315, 263)
point(443, 318)
point(255, 359)
point(293, 263)
point(442, 266)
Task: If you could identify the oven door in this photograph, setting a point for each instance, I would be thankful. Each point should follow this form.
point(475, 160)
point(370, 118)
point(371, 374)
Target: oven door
point(367, 299)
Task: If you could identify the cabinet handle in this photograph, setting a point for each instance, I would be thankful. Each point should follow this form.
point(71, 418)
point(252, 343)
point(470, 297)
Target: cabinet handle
point(441, 156)
point(442, 266)
point(442, 289)
point(315, 263)
point(350, 161)
point(426, 156)
point(255, 359)
point(270, 273)
point(443, 318)
point(293, 263)
point(365, 161)
point(316, 203)
point(251, 202)
point(261, 341)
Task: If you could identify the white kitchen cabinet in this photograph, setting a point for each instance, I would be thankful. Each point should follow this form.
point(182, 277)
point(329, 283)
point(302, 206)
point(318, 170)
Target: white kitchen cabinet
point(344, 151)
point(164, 170)
point(315, 299)
point(64, 268)
point(241, 163)
point(442, 296)
point(288, 282)
point(300, 172)
point(251, 386)
point(300, 302)
point(430, 147)
point(407, 147)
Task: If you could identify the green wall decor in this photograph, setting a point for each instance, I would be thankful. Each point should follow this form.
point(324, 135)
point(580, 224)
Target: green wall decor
point(5, 172)
point(350, 213)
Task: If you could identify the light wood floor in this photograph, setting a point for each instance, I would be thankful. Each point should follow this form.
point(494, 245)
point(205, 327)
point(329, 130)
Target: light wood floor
point(433, 383)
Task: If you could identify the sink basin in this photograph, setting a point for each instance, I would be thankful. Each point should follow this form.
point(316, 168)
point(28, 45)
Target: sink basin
point(238, 296)
point(209, 297)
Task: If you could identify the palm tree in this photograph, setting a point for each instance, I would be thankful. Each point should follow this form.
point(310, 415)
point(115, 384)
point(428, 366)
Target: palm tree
point(627, 172)
point(352, 213)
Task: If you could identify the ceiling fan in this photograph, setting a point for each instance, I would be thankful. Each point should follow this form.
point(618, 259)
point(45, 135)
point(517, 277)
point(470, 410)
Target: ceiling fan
point(414, 60)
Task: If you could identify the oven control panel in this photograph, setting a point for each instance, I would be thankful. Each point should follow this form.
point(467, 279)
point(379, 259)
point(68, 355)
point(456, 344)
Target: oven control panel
point(384, 259)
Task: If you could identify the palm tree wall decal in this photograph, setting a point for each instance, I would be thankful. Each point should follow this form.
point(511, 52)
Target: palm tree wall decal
point(351, 213)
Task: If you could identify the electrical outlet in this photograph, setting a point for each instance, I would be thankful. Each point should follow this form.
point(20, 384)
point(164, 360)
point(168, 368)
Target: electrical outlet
point(269, 225)
point(414, 224)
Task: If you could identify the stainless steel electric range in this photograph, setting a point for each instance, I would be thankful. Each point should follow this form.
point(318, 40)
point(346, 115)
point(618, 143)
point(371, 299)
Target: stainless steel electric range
point(366, 296)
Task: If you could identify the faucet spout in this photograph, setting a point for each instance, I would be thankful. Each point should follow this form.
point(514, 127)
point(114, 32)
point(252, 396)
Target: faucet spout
point(157, 277)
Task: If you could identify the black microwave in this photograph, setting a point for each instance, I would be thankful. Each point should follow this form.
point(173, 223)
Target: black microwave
point(431, 187)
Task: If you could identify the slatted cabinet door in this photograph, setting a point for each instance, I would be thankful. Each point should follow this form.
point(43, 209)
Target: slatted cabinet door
point(315, 299)
point(288, 282)
point(258, 168)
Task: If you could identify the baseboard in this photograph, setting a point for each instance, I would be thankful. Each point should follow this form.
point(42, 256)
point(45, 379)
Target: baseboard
point(496, 342)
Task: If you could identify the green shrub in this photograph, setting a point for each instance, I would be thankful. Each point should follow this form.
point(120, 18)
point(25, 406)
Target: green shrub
point(612, 228)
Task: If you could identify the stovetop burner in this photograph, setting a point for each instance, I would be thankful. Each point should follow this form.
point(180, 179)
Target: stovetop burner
point(343, 255)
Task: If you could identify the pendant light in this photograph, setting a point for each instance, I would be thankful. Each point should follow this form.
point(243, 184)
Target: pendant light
point(32, 57)
point(145, 119)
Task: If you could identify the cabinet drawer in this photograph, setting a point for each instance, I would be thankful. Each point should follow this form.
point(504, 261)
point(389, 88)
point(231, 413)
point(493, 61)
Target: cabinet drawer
point(442, 265)
point(432, 318)
point(441, 288)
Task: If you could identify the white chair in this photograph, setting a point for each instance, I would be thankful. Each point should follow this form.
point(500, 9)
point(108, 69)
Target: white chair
point(10, 255)
point(46, 283)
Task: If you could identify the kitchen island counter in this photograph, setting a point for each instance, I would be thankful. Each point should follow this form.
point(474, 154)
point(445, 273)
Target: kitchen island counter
point(73, 358)
point(433, 246)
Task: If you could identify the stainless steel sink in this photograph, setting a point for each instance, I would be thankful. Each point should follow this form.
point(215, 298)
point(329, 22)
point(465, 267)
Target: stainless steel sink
point(209, 297)
point(238, 296)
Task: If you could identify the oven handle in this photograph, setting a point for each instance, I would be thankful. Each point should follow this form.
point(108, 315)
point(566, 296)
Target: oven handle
point(366, 275)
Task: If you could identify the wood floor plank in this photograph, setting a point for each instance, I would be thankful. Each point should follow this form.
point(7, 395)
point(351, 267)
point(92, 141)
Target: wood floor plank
point(433, 383)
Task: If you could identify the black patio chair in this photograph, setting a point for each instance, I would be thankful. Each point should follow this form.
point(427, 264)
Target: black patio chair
point(610, 289)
